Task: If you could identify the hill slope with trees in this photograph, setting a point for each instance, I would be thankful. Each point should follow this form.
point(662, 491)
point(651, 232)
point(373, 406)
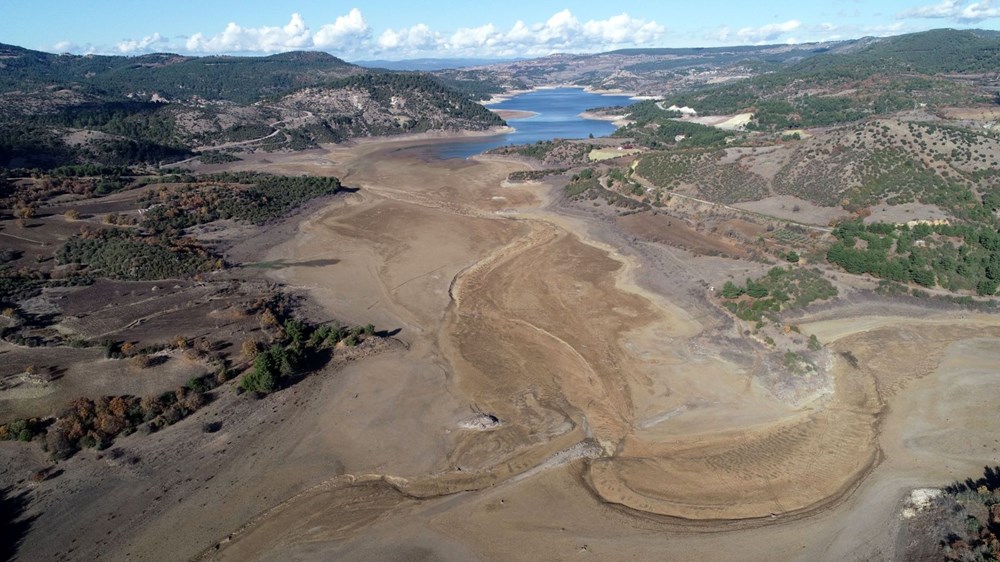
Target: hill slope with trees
point(161, 108)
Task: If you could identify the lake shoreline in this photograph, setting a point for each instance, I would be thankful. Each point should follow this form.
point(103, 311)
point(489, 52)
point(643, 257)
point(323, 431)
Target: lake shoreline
point(544, 114)
point(509, 94)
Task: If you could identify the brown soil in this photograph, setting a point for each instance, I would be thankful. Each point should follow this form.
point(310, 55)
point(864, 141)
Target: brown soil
point(514, 113)
point(632, 423)
point(675, 231)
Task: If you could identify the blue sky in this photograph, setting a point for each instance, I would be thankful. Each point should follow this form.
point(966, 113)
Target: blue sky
point(509, 28)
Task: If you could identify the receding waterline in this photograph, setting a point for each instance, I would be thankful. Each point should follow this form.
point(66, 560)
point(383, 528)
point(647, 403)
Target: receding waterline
point(556, 115)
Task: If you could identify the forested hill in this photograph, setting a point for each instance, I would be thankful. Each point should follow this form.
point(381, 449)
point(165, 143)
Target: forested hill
point(937, 68)
point(648, 71)
point(237, 79)
point(927, 52)
point(160, 108)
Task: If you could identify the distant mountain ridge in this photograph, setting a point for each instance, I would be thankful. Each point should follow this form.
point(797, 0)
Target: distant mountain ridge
point(430, 64)
point(666, 71)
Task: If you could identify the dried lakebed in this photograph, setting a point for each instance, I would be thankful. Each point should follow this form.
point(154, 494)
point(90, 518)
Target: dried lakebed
point(610, 396)
point(558, 388)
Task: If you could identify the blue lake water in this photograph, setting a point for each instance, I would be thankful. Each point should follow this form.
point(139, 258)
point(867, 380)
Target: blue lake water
point(558, 117)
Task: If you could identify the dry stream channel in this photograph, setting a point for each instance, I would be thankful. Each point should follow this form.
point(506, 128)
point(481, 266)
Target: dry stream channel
point(548, 403)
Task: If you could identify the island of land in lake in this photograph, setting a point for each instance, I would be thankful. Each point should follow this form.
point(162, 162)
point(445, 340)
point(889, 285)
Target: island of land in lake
point(742, 323)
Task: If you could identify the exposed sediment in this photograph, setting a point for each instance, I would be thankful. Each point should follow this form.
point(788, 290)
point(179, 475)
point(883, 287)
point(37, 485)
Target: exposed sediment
point(547, 330)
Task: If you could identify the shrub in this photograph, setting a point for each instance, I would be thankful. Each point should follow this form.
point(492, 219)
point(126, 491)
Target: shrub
point(267, 368)
point(731, 290)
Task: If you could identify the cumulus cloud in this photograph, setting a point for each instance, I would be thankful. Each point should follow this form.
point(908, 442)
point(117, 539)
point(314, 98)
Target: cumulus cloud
point(767, 33)
point(235, 39)
point(418, 38)
point(351, 33)
point(803, 33)
point(561, 32)
point(147, 44)
point(623, 29)
point(722, 35)
point(972, 12)
point(347, 31)
point(64, 47)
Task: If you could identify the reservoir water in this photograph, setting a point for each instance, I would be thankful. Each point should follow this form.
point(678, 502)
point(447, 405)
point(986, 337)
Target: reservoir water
point(558, 116)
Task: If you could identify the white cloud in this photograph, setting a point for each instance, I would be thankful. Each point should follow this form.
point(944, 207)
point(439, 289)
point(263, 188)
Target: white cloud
point(64, 47)
point(347, 31)
point(803, 33)
point(351, 34)
point(622, 29)
point(561, 32)
point(235, 39)
point(147, 44)
point(767, 33)
point(418, 38)
point(473, 38)
point(962, 12)
point(722, 35)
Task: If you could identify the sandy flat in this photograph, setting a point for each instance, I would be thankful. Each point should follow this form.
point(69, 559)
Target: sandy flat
point(548, 331)
point(725, 122)
point(631, 423)
point(544, 328)
point(508, 114)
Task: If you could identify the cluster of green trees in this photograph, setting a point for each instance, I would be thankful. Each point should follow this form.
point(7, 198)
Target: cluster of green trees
point(539, 150)
point(32, 145)
point(956, 257)
point(899, 176)
point(587, 185)
point(88, 423)
point(535, 175)
point(268, 197)
point(656, 131)
point(782, 288)
point(703, 168)
point(137, 120)
point(311, 136)
point(123, 254)
point(302, 347)
point(257, 199)
point(26, 145)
